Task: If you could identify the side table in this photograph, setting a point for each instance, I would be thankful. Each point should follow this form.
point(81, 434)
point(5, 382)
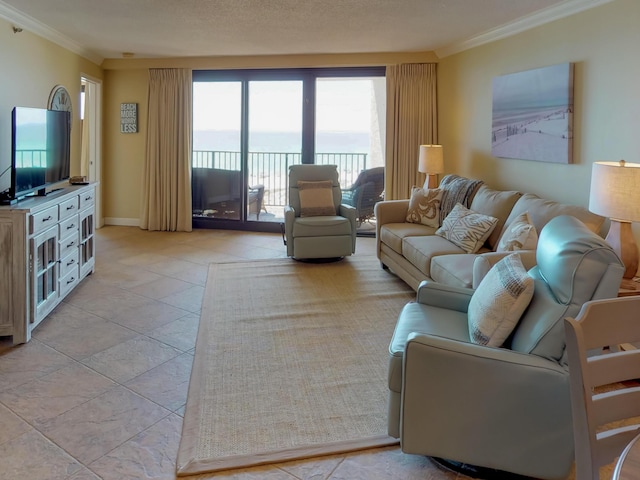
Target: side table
point(629, 292)
point(628, 465)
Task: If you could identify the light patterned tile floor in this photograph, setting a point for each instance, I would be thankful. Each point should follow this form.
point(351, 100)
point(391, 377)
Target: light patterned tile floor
point(99, 392)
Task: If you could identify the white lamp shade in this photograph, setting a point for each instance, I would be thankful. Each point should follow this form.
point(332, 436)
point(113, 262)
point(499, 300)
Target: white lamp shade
point(615, 190)
point(431, 160)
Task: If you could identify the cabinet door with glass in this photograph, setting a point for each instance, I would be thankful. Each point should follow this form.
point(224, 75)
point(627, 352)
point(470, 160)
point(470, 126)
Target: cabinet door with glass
point(44, 273)
point(87, 255)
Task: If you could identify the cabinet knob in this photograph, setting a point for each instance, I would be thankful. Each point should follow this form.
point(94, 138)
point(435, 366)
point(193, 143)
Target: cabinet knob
point(46, 219)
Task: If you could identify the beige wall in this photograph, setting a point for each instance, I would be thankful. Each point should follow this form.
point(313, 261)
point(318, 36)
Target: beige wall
point(126, 81)
point(31, 67)
point(602, 42)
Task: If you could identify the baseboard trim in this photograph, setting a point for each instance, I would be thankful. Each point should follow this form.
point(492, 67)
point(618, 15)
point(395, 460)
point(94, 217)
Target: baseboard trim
point(123, 222)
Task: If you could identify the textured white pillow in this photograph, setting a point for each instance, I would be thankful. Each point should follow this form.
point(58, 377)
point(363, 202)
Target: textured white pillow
point(424, 206)
point(499, 301)
point(519, 235)
point(466, 228)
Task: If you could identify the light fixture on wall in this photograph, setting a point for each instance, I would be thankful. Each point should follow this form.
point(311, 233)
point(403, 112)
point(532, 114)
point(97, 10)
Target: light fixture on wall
point(431, 162)
point(615, 193)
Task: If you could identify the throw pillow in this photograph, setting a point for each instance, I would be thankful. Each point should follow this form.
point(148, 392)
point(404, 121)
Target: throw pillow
point(499, 301)
point(467, 229)
point(424, 206)
point(521, 234)
point(316, 198)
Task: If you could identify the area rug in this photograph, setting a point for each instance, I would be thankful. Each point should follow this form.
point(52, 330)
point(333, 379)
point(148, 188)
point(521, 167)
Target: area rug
point(290, 362)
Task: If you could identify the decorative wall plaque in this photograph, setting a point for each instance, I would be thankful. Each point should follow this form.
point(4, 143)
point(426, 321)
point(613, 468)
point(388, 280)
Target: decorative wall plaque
point(129, 118)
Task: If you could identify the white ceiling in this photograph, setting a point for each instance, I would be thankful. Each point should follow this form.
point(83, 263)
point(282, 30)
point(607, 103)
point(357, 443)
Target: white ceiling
point(99, 29)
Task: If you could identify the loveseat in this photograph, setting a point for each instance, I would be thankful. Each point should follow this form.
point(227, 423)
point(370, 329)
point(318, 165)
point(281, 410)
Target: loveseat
point(415, 253)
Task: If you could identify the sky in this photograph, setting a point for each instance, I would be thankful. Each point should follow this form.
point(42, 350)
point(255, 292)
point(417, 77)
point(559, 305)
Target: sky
point(343, 105)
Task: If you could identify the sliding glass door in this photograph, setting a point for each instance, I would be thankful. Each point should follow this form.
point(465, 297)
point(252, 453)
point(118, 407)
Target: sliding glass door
point(250, 126)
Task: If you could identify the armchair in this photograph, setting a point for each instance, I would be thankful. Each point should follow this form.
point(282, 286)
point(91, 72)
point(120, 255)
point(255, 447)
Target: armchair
point(318, 236)
point(506, 408)
point(365, 192)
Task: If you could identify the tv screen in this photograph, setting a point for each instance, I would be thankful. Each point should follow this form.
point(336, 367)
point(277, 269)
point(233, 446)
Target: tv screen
point(40, 153)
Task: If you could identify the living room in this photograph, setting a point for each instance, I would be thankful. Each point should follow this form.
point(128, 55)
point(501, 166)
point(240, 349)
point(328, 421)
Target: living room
point(600, 41)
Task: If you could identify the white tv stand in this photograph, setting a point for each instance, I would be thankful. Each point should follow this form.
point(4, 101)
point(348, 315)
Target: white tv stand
point(46, 247)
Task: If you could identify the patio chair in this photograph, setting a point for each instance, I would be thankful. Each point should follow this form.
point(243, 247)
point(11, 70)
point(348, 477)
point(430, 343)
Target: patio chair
point(365, 192)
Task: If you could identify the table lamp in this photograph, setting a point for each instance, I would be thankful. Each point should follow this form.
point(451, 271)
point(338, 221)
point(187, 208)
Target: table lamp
point(431, 162)
point(615, 193)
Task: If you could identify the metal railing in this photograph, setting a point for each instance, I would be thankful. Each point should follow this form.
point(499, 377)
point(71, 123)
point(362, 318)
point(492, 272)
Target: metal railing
point(271, 169)
point(34, 158)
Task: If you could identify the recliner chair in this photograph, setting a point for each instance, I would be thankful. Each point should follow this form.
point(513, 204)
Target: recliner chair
point(321, 236)
point(505, 408)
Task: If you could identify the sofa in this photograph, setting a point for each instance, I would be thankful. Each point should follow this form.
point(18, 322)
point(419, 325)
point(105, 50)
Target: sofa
point(505, 407)
point(415, 253)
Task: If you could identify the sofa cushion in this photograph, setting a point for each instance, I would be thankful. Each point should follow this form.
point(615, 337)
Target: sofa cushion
point(542, 210)
point(520, 234)
point(499, 301)
point(392, 234)
point(316, 198)
point(454, 270)
point(466, 228)
point(420, 250)
point(424, 206)
point(494, 203)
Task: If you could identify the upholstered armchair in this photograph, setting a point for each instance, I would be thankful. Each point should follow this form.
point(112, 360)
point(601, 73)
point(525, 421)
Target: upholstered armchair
point(316, 224)
point(508, 407)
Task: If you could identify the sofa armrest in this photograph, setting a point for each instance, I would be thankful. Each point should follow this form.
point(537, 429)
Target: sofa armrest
point(391, 211)
point(444, 296)
point(454, 390)
point(483, 263)
point(350, 212)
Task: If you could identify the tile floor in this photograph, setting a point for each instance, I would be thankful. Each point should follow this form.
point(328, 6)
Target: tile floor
point(99, 391)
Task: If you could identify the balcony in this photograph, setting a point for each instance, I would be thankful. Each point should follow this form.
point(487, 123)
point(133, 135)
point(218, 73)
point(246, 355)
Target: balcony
point(217, 180)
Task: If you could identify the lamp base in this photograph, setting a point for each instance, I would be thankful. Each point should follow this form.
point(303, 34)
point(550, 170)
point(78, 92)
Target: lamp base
point(621, 239)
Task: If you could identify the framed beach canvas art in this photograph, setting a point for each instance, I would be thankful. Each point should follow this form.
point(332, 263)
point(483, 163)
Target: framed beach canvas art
point(533, 114)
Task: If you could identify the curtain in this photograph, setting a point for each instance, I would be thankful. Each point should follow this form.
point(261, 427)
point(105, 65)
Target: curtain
point(86, 125)
point(166, 183)
point(412, 120)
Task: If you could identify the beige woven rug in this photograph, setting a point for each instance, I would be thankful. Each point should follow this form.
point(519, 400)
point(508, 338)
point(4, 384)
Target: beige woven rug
point(290, 362)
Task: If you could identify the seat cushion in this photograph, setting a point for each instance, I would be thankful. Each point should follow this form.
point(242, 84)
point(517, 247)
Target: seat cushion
point(427, 319)
point(392, 234)
point(321, 226)
point(420, 250)
point(454, 270)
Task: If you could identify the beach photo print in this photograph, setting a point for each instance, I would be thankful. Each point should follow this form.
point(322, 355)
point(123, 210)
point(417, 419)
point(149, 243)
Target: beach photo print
point(533, 113)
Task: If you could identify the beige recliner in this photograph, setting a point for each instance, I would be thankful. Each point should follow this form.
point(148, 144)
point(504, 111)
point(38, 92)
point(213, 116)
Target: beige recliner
point(323, 236)
point(505, 408)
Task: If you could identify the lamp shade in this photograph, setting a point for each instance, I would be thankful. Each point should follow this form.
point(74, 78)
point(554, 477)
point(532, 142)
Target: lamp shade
point(615, 190)
point(431, 160)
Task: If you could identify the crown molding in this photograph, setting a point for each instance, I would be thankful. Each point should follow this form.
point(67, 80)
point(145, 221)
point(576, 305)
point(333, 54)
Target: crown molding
point(34, 26)
point(547, 15)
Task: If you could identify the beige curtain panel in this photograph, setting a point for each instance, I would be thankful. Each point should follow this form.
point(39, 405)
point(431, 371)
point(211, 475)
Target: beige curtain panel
point(166, 183)
point(411, 121)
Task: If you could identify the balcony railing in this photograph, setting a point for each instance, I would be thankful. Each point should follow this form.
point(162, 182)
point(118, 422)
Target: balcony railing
point(271, 169)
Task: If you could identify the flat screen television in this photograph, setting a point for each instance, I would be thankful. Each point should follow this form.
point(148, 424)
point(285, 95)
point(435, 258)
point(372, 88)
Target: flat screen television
point(40, 150)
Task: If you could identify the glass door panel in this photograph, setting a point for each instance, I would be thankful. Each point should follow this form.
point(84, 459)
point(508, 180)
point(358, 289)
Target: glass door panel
point(217, 160)
point(275, 142)
point(350, 133)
